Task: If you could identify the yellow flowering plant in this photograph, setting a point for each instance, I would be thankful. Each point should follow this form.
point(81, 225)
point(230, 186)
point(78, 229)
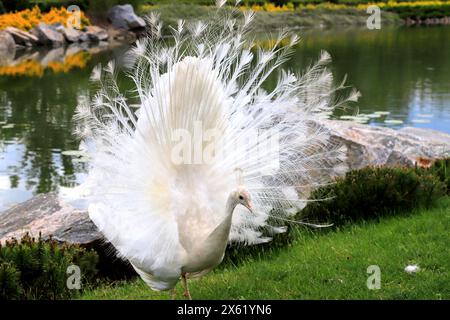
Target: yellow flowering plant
point(29, 18)
point(270, 7)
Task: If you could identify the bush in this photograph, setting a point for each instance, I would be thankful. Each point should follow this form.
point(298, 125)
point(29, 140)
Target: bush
point(364, 194)
point(420, 11)
point(31, 269)
point(10, 287)
point(44, 5)
point(30, 18)
point(373, 192)
point(441, 169)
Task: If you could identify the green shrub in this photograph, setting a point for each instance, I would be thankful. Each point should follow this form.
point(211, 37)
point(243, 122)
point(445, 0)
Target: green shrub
point(364, 194)
point(94, 6)
point(13, 5)
point(373, 192)
point(37, 269)
point(441, 169)
point(44, 5)
point(10, 287)
point(421, 11)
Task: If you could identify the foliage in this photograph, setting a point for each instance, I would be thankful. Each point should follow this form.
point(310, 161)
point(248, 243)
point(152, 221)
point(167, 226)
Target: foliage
point(363, 194)
point(423, 11)
point(30, 18)
point(441, 169)
point(269, 21)
point(373, 192)
point(44, 5)
point(37, 269)
point(405, 9)
point(10, 287)
point(270, 7)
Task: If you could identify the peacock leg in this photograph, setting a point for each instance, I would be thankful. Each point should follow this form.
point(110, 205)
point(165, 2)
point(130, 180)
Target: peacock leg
point(187, 294)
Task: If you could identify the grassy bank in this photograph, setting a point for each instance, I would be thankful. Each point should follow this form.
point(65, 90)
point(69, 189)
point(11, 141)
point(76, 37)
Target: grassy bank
point(271, 13)
point(332, 265)
point(270, 20)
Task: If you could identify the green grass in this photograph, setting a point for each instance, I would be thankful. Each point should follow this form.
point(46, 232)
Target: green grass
point(267, 21)
point(321, 17)
point(332, 265)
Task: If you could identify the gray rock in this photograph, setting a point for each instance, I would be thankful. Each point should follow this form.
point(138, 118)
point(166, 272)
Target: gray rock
point(72, 35)
point(369, 145)
point(84, 37)
point(58, 27)
point(48, 35)
point(123, 16)
point(96, 34)
point(21, 37)
point(48, 215)
point(7, 43)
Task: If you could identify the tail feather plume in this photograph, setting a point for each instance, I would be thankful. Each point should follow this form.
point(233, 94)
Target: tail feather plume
point(199, 110)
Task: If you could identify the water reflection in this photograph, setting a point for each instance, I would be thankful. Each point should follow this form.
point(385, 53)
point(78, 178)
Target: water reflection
point(405, 72)
point(38, 96)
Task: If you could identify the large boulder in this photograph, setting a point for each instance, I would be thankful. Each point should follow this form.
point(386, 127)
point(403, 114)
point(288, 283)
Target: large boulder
point(58, 26)
point(21, 37)
point(7, 43)
point(380, 146)
point(48, 215)
point(48, 35)
point(7, 48)
point(123, 16)
point(96, 34)
point(72, 35)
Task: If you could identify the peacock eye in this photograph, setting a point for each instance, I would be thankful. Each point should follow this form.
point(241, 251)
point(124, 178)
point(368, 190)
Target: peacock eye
point(241, 198)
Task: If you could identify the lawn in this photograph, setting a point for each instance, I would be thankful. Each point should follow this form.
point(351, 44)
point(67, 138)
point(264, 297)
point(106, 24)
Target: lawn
point(268, 21)
point(332, 265)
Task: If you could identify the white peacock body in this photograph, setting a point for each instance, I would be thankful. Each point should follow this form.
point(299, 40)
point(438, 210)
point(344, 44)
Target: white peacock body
point(161, 170)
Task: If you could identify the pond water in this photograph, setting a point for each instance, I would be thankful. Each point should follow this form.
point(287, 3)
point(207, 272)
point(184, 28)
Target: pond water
point(403, 71)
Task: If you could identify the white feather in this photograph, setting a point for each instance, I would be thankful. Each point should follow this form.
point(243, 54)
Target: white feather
point(144, 201)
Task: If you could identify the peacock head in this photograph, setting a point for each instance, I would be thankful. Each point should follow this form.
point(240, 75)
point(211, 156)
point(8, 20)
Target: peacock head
point(242, 196)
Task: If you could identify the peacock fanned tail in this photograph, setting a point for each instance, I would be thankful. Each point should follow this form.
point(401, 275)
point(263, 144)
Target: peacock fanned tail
point(208, 79)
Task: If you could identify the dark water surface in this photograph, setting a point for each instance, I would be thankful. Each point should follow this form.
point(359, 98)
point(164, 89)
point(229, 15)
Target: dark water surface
point(404, 71)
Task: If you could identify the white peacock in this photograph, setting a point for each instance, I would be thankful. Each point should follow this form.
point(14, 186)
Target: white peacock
point(172, 220)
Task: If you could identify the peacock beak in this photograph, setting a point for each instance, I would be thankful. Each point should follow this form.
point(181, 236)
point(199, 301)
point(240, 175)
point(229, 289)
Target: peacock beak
point(249, 206)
